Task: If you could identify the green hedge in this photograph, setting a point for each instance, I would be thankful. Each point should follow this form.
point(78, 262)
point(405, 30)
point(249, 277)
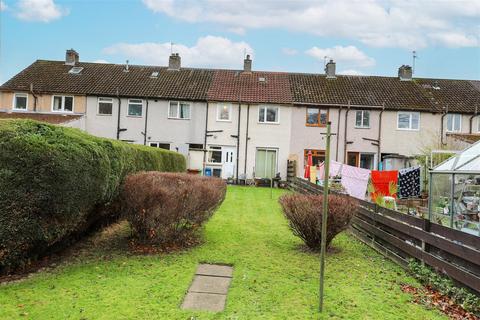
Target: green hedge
point(56, 182)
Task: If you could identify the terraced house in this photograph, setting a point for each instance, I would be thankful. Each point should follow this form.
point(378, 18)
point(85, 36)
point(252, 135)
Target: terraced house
point(247, 123)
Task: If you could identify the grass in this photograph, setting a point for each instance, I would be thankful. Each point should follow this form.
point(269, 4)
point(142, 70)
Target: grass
point(273, 278)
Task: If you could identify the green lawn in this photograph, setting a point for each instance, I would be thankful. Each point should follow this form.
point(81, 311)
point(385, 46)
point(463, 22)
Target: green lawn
point(272, 278)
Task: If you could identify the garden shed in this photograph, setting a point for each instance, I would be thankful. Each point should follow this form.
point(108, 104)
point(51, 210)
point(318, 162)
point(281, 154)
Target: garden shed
point(455, 191)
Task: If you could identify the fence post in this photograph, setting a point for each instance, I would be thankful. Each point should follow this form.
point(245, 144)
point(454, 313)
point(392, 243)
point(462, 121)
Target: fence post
point(425, 227)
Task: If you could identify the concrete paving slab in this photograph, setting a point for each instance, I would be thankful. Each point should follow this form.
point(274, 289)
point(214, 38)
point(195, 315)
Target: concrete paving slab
point(204, 301)
point(208, 284)
point(215, 270)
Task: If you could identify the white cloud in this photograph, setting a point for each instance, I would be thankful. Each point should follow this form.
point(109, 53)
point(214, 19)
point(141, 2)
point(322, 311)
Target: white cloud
point(39, 10)
point(289, 51)
point(455, 39)
point(350, 72)
point(349, 55)
point(208, 51)
point(377, 23)
point(3, 6)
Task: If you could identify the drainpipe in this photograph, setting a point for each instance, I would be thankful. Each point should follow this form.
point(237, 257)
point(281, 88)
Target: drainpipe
point(471, 119)
point(441, 127)
point(118, 118)
point(380, 136)
point(238, 138)
point(345, 134)
point(146, 122)
point(246, 143)
point(34, 98)
point(338, 132)
point(205, 140)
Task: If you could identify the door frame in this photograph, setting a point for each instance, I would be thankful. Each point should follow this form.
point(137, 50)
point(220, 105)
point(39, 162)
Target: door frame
point(276, 159)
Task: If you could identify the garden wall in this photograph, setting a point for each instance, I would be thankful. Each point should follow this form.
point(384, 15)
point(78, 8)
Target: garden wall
point(56, 182)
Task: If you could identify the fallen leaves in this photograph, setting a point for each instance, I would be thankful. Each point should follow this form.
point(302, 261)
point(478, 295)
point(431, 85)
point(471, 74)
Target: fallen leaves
point(431, 298)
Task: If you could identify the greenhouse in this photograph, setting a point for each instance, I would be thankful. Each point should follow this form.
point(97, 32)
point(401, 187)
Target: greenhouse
point(455, 191)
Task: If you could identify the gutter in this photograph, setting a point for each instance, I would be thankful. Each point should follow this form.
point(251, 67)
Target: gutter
point(118, 118)
point(205, 140)
point(338, 132)
point(441, 127)
point(246, 143)
point(146, 122)
point(345, 134)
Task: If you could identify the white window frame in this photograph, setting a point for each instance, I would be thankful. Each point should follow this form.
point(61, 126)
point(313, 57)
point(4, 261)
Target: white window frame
point(14, 103)
point(177, 117)
point(220, 106)
point(453, 122)
point(362, 125)
point(63, 103)
point(277, 151)
point(98, 106)
point(265, 114)
point(136, 103)
point(410, 113)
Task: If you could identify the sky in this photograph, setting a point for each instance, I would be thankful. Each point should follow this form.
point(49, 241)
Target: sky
point(367, 37)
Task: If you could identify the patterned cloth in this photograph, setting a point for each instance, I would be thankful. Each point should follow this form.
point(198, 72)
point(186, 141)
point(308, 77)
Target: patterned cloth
point(381, 181)
point(409, 182)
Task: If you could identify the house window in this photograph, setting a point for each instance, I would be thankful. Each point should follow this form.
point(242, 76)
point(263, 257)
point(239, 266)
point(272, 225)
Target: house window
point(179, 110)
point(215, 155)
point(318, 156)
point(195, 146)
point(268, 114)
point(135, 107)
point(165, 146)
point(105, 106)
point(408, 120)
point(454, 122)
point(265, 163)
point(362, 119)
point(317, 117)
point(224, 111)
point(20, 101)
point(62, 103)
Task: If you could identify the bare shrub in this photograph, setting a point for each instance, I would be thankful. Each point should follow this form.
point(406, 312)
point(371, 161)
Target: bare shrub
point(304, 215)
point(168, 208)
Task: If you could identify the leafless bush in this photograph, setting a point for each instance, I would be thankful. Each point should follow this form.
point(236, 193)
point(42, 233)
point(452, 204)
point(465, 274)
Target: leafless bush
point(166, 208)
point(304, 214)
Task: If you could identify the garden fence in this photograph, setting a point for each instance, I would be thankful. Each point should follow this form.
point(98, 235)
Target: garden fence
point(402, 237)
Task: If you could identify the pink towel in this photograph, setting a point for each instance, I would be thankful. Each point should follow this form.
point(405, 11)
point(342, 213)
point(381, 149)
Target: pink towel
point(355, 181)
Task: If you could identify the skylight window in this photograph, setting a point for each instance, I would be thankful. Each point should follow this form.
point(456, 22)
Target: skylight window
point(154, 74)
point(262, 79)
point(75, 70)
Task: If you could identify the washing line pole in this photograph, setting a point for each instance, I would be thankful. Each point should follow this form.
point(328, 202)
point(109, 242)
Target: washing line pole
point(323, 246)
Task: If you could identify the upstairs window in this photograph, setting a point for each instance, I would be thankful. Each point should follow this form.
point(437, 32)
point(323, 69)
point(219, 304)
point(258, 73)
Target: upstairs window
point(268, 114)
point(62, 104)
point(135, 107)
point(454, 122)
point(20, 101)
point(105, 106)
point(224, 112)
point(317, 117)
point(179, 110)
point(362, 119)
point(408, 120)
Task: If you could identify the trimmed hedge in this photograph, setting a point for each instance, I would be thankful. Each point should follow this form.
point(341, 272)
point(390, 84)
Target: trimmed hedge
point(56, 182)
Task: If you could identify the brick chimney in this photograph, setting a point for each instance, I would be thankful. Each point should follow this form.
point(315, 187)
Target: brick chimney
point(330, 69)
point(405, 73)
point(247, 64)
point(71, 57)
point(174, 62)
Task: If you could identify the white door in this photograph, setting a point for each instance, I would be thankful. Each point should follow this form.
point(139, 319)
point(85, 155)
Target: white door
point(228, 162)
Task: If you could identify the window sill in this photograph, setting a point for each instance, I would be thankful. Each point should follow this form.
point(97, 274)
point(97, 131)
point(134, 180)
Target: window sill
point(170, 118)
point(219, 120)
point(362, 127)
point(315, 125)
point(61, 111)
point(19, 110)
point(104, 115)
point(132, 116)
point(404, 129)
point(274, 123)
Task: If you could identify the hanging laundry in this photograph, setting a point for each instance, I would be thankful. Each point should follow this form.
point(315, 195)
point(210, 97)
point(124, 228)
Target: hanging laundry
point(355, 181)
point(409, 182)
point(313, 174)
point(382, 180)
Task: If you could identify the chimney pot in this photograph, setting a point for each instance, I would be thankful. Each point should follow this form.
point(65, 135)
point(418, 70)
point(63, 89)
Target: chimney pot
point(174, 62)
point(330, 69)
point(405, 73)
point(71, 57)
point(247, 64)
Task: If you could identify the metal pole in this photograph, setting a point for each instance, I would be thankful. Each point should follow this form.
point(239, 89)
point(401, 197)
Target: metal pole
point(323, 246)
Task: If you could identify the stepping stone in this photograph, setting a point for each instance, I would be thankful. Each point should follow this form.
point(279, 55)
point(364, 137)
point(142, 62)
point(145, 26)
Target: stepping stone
point(209, 288)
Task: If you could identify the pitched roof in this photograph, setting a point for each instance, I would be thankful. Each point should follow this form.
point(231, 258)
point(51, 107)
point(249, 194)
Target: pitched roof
point(433, 95)
point(253, 87)
point(106, 79)
point(45, 117)
point(359, 90)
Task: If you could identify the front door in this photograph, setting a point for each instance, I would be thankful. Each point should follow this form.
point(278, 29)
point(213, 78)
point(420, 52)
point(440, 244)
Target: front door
point(228, 162)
